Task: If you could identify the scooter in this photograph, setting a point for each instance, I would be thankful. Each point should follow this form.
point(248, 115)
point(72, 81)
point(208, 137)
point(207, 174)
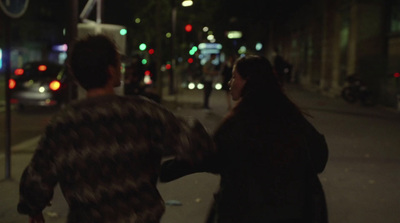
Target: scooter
point(356, 90)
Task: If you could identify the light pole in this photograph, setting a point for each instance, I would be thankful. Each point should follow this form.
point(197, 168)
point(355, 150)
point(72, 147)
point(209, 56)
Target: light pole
point(173, 33)
point(11, 10)
point(185, 3)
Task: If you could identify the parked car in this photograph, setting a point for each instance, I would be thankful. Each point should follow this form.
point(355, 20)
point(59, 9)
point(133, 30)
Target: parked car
point(41, 84)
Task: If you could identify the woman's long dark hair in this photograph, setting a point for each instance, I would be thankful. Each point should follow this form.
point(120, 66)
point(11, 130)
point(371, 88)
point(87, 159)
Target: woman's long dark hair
point(263, 92)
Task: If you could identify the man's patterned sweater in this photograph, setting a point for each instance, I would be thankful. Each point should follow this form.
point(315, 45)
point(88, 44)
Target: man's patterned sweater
point(105, 154)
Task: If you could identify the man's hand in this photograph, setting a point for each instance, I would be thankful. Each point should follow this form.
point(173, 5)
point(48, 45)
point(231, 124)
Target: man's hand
point(37, 219)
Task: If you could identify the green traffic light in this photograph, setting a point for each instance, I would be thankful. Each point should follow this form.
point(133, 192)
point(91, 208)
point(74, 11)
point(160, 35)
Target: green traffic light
point(193, 50)
point(123, 32)
point(144, 61)
point(142, 47)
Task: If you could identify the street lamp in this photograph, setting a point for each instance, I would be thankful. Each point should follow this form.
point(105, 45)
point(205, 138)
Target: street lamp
point(187, 3)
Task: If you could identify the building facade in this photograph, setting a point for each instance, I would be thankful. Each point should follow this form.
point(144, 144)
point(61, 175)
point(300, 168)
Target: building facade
point(328, 40)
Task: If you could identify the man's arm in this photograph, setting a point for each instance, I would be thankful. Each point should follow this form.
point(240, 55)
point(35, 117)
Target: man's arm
point(37, 184)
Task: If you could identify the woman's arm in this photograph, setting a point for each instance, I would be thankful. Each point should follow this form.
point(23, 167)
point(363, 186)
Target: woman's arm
point(173, 169)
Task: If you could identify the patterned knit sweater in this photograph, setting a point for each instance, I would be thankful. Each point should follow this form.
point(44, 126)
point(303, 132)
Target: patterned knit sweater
point(105, 154)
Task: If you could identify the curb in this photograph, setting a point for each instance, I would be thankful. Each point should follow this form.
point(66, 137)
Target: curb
point(25, 146)
point(2, 106)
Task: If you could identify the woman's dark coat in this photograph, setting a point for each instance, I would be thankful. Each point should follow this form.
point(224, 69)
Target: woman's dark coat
point(267, 175)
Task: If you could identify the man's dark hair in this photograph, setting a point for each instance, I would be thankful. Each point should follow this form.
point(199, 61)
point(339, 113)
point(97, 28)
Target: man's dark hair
point(89, 59)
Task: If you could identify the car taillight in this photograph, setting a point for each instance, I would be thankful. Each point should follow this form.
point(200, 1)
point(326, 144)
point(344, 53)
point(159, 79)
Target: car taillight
point(11, 83)
point(42, 67)
point(55, 85)
point(19, 71)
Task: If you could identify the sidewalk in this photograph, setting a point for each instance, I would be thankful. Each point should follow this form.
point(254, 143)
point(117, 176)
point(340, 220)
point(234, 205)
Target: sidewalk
point(185, 103)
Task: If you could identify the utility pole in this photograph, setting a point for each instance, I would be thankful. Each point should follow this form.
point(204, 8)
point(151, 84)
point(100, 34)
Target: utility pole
point(11, 9)
point(173, 40)
point(71, 34)
point(72, 21)
point(159, 53)
point(7, 60)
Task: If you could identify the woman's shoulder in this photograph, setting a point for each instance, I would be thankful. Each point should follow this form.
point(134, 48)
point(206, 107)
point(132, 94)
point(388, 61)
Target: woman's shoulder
point(241, 124)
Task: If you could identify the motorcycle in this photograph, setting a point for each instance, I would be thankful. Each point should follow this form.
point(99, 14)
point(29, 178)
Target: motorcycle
point(356, 90)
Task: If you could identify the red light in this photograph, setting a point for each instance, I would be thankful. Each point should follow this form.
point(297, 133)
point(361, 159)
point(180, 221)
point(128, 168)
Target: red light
point(151, 51)
point(55, 85)
point(396, 75)
point(168, 66)
point(190, 60)
point(19, 71)
point(147, 73)
point(42, 67)
point(188, 28)
point(11, 83)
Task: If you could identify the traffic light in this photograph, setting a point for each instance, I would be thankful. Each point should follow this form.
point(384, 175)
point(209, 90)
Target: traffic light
point(193, 50)
point(151, 51)
point(123, 32)
point(188, 28)
point(142, 47)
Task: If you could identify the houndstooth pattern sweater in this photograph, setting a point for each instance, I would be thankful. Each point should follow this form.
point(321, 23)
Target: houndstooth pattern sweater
point(105, 154)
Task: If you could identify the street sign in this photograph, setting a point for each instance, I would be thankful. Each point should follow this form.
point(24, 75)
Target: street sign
point(14, 8)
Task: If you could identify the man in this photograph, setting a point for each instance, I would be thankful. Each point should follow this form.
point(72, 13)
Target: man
point(105, 151)
point(209, 72)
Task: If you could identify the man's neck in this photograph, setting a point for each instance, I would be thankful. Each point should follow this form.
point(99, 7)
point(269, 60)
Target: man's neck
point(99, 92)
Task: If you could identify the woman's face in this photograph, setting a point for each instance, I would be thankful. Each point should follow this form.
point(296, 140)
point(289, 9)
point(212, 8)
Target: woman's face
point(236, 84)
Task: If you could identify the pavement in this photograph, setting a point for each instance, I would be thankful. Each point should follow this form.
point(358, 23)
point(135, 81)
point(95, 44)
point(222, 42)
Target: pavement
point(185, 103)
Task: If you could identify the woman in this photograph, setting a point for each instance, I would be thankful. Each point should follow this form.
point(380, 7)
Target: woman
point(268, 155)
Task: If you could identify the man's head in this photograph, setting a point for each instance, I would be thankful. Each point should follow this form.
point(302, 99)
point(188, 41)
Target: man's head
point(94, 61)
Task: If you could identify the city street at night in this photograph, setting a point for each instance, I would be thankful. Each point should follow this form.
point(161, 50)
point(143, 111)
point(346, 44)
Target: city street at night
point(361, 179)
point(337, 60)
